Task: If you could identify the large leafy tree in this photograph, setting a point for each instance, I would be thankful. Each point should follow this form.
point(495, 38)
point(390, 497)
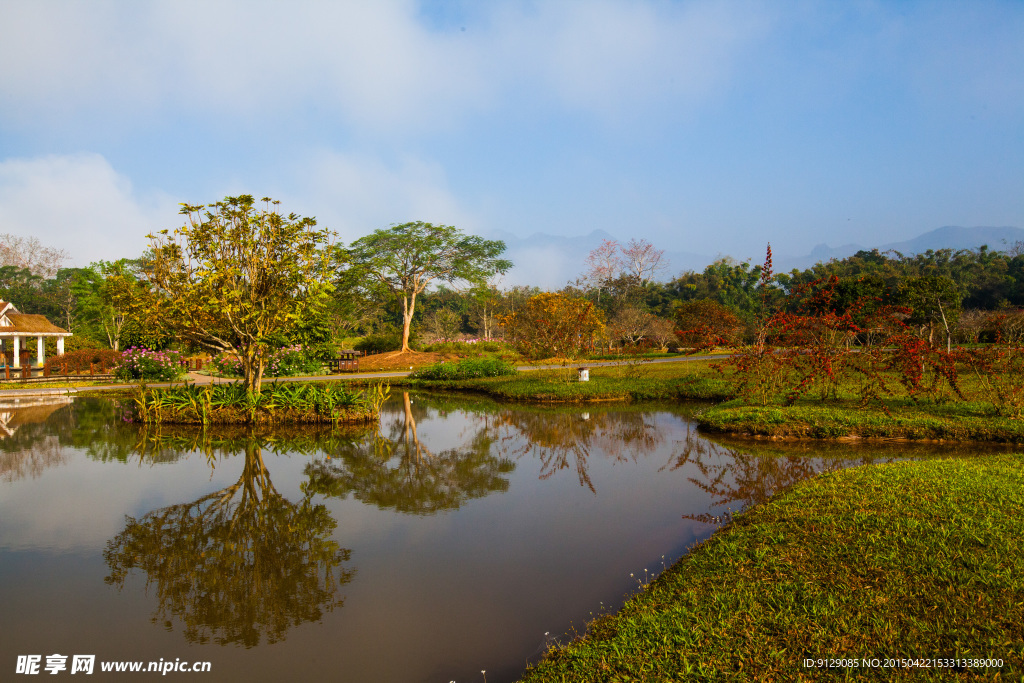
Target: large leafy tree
point(107, 294)
point(238, 276)
point(405, 259)
point(553, 324)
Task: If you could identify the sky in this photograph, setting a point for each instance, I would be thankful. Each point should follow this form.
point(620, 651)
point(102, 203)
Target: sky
point(707, 127)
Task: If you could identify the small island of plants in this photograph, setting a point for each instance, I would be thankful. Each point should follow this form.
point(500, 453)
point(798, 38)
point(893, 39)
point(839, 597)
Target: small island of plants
point(312, 403)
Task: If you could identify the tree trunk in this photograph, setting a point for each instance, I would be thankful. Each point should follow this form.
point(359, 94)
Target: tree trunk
point(252, 371)
point(408, 306)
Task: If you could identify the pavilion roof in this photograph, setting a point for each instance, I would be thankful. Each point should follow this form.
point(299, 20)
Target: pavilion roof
point(30, 324)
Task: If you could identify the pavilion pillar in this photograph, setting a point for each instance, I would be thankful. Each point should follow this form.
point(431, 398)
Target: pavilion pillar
point(60, 346)
point(40, 351)
point(17, 352)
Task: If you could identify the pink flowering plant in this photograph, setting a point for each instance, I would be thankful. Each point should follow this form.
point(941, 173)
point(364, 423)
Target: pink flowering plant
point(227, 366)
point(139, 363)
point(292, 360)
point(285, 362)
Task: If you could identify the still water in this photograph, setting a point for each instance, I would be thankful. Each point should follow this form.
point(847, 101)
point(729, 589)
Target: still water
point(461, 536)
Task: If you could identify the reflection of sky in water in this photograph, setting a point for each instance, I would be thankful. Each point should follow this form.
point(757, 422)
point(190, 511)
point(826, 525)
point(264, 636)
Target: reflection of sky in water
point(435, 595)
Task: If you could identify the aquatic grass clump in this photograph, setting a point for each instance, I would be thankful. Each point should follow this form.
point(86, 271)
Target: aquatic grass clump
point(469, 368)
point(278, 403)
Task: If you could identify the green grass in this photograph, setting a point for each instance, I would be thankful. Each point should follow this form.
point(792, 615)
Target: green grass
point(640, 382)
point(908, 560)
point(959, 421)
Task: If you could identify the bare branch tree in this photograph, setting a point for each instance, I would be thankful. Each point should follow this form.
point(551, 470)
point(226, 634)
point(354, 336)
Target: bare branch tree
point(29, 252)
point(642, 260)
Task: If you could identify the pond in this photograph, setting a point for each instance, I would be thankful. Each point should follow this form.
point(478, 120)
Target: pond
point(461, 536)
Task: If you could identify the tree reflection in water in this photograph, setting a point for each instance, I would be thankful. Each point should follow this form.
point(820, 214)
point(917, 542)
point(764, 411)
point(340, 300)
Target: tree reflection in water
point(398, 471)
point(564, 439)
point(740, 479)
point(239, 564)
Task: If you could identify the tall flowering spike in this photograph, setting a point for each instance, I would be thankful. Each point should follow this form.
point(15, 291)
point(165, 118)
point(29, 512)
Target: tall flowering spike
point(766, 272)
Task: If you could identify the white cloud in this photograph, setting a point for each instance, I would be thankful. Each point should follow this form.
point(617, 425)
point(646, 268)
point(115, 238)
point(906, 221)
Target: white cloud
point(355, 195)
point(376, 64)
point(604, 56)
point(79, 203)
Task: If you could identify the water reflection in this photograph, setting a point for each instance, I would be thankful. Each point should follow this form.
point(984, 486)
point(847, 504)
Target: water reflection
point(566, 439)
point(743, 473)
point(588, 495)
point(236, 565)
point(397, 470)
point(28, 445)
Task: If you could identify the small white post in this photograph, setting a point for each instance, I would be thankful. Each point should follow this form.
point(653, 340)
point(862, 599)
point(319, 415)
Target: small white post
point(60, 346)
point(17, 352)
point(584, 374)
point(40, 351)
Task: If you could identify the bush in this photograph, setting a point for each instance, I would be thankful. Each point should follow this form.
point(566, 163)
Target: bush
point(227, 366)
point(384, 341)
point(141, 363)
point(470, 368)
point(286, 362)
point(290, 361)
point(467, 347)
point(81, 360)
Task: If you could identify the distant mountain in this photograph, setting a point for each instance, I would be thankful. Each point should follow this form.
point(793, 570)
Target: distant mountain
point(551, 261)
point(955, 237)
point(948, 237)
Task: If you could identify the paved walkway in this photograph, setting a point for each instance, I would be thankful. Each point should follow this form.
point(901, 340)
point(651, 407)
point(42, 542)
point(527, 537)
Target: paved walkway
point(196, 378)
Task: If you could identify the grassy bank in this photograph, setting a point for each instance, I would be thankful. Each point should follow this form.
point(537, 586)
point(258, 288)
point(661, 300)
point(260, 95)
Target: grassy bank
point(952, 421)
point(638, 382)
point(909, 560)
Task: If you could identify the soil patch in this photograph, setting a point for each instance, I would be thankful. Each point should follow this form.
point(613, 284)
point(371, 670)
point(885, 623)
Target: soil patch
point(401, 360)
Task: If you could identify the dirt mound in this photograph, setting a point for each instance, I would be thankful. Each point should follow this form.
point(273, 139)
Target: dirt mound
point(401, 360)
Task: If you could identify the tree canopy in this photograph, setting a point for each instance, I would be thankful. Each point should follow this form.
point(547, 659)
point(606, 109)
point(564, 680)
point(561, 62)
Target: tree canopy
point(236, 277)
point(406, 258)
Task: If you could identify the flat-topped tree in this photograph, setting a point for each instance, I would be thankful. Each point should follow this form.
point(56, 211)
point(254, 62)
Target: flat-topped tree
point(237, 275)
point(406, 258)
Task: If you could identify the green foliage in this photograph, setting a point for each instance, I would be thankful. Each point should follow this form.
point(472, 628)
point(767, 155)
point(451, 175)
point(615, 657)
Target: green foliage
point(237, 277)
point(388, 339)
point(134, 333)
point(405, 259)
point(329, 402)
point(468, 368)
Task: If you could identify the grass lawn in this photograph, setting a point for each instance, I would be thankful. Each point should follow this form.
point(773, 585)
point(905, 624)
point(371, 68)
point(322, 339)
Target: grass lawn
point(959, 421)
point(636, 382)
point(921, 560)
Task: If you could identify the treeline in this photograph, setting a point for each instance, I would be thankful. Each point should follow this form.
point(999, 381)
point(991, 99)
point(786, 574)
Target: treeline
point(956, 295)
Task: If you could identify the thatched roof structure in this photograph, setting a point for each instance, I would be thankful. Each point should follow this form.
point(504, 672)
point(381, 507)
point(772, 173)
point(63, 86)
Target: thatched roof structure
point(16, 324)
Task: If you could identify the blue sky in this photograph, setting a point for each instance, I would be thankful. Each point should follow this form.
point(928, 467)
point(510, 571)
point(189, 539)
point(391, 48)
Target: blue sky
point(709, 127)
